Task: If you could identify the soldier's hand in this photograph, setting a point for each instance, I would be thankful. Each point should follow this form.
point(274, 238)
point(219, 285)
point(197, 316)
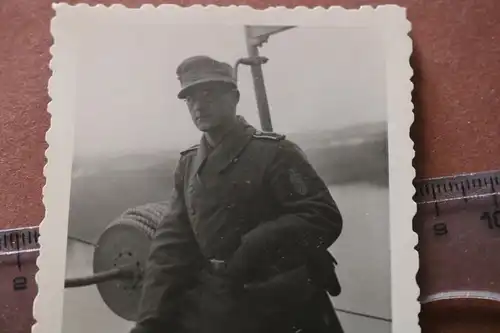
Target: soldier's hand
point(244, 260)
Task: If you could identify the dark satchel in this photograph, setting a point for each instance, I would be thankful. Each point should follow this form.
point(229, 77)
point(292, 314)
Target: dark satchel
point(322, 272)
point(298, 284)
point(299, 297)
point(286, 289)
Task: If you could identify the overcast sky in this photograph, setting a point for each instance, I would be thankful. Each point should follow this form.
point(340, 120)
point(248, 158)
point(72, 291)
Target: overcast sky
point(316, 78)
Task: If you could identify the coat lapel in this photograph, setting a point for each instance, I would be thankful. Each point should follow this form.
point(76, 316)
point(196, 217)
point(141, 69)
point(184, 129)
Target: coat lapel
point(200, 157)
point(226, 153)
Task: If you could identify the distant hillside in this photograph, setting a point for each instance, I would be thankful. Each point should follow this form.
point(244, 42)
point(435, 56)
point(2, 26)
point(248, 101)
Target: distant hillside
point(354, 154)
point(347, 136)
point(102, 188)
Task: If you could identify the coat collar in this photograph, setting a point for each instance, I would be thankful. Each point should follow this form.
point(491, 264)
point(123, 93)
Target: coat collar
point(217, 159)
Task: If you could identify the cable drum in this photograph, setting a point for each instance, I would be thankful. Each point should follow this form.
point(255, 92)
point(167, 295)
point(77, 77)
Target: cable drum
point(123, 248)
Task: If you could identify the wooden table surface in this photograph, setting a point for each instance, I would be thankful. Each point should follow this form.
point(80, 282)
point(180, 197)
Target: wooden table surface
point(456, 61)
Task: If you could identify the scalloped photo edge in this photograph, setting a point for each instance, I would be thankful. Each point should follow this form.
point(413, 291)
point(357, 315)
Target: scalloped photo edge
point(393, 27)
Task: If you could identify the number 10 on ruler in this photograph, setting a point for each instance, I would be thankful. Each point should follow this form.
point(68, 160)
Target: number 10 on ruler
point(492, 218)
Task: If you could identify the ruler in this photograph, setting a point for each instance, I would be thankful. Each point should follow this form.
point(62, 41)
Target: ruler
point(17, 245)
point(458, 224)
point(18, 253)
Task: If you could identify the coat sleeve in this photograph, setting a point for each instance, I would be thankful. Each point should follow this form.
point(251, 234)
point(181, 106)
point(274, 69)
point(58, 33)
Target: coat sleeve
point(169, 267)
point(308, 217)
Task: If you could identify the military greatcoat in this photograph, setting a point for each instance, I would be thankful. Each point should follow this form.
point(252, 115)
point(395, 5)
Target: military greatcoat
point(254, 207)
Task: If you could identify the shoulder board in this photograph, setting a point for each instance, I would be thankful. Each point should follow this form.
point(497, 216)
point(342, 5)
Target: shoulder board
point(190, 149)
point(268, 135)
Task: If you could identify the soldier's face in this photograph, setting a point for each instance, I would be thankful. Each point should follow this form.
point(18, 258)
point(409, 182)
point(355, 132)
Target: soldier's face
point(212, 106)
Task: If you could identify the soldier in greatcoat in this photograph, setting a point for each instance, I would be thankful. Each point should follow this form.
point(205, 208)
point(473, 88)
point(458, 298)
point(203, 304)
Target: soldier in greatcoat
point(245, 246)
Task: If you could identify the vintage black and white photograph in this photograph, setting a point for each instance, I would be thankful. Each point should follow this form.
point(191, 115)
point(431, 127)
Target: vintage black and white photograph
point(221, 170)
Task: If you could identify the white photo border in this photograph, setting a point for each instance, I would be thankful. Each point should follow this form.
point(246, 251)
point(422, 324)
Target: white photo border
point(393, 27)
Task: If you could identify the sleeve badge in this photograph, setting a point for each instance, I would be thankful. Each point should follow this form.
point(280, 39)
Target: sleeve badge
point(298, 183)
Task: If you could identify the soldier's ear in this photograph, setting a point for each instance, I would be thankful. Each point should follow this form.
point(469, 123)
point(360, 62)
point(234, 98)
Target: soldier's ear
point(237, 95)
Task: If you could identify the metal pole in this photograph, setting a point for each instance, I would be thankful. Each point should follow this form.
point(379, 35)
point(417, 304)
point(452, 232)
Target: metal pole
point(259, 87)
point(123, 273)
point(235, 69)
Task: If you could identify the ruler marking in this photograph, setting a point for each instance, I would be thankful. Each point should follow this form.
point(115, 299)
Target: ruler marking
point(463, 192)
point(18, 256)
point(463, 187)
point(25, 240)
point(493, 191)
point(436, 207)
point(15, 240)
